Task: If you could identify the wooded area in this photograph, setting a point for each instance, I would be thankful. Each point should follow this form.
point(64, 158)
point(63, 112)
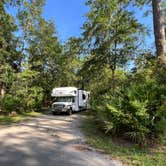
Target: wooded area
point(125, 101)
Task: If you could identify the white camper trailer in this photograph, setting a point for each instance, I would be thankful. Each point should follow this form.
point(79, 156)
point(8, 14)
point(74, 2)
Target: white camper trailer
point(69, 99)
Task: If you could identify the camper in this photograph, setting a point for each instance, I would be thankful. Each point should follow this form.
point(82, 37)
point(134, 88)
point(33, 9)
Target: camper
point(69, 99)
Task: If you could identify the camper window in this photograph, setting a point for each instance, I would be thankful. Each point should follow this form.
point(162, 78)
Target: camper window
point(83, 96)
point(64, 99)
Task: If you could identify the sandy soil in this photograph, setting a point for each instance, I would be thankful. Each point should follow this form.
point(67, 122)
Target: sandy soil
point(49, 140)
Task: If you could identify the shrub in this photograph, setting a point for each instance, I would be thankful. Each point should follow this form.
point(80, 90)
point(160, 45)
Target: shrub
point(30, 98)
point(10, 103)
point(136, 111)
point(23, 100)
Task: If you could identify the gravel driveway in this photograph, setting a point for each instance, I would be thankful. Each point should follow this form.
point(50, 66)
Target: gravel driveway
point(49, 141)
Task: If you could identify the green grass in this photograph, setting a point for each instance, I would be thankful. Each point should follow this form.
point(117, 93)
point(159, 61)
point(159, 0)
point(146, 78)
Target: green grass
point(129, 154)
point(7, 120)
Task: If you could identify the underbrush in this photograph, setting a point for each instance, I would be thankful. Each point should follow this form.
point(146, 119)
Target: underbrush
point(128, 153)
point(135, 108)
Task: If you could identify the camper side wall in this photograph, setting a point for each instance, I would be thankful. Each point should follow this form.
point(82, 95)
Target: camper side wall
point(83, 99)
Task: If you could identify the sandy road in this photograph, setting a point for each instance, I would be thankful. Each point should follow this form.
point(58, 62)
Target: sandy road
point(49, 141)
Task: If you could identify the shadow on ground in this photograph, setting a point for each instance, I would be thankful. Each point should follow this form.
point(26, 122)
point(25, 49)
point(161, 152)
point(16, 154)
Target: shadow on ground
point(47, 140)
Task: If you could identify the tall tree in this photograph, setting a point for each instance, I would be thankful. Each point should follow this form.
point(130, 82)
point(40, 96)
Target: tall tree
point(45, 55)
point(159, 30)
point(112, 33)
point(28, 15)
point(158, 11)
point(9, 57)
point(39, 44)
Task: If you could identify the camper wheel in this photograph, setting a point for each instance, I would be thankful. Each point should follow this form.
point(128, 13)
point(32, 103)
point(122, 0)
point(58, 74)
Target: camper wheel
point(69, 111)
point(54, 113)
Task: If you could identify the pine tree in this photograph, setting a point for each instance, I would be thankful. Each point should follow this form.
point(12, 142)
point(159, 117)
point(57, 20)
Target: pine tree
point(9, 57)
point(159, 30)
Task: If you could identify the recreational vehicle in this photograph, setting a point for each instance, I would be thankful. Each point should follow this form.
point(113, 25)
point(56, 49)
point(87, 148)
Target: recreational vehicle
point(69, 99)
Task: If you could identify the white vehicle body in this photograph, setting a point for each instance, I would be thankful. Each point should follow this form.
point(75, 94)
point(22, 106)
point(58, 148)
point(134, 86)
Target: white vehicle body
point(68, 99)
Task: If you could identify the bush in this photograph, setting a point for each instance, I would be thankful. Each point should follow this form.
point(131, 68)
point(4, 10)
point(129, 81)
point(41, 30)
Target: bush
point(10, 103)
point(136, 111)
point(23, 100)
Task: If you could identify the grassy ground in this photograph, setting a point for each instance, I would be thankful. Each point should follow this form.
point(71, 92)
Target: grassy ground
point(7, 120)
point(129, 154)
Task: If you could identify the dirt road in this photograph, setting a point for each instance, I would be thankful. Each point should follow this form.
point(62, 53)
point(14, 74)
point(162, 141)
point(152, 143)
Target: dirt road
point(48, 141)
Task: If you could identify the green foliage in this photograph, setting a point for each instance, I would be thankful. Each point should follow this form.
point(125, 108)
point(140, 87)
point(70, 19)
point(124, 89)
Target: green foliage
point(35, 98)
point(125, 103)
point(137, 110)
point(31, 64)
point(128, 153)
point(30, 95)
point(111, 42)
point(10, 103)
point(25, 99)
point(71, 62)
point(8, 42)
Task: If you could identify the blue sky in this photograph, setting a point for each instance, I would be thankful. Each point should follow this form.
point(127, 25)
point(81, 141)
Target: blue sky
point(69, 16)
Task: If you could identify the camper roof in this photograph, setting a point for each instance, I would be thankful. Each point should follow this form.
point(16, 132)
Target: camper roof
point(64, 91)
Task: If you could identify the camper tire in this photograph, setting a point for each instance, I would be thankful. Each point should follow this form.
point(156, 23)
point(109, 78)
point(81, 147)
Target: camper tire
point(54, 113)
point(69, 111)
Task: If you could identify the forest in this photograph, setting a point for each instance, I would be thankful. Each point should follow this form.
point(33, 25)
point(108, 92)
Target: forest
point(127, 81)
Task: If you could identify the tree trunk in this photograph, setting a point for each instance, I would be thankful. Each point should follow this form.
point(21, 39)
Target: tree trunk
point(159, 31)
point(114, 67)
point(3, 90)
point(113, 82)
